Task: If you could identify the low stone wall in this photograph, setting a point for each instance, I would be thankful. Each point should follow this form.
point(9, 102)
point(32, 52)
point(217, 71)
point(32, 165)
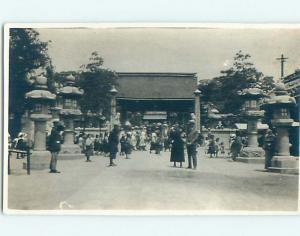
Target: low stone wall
point(92, 131)
point(222, 134)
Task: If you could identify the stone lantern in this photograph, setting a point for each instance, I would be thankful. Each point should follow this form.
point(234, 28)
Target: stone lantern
point(280, 104)
point(113, 106)
point(70, 94)
point(252, 113)
point(41, 99)
point(197, 94)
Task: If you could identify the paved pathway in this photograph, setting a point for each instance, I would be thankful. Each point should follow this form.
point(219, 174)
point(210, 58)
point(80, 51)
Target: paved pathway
point(149, 182)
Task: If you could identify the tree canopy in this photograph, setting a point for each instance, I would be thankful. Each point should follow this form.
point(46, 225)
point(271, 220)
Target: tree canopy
point(26, 53)
point(223, 90)
point(96, 82)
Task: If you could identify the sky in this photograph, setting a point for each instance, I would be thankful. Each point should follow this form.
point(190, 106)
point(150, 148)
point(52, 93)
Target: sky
point(205, 51)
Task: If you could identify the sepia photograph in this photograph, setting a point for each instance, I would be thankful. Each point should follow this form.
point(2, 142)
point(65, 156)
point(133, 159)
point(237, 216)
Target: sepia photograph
point(151, 119)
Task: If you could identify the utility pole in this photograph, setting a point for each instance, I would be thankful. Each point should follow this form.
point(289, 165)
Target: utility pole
point(282, 60)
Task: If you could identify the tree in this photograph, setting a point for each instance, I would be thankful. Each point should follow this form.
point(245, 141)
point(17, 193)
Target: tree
point(26, 53)
point(267, 83)
point(223, 90)
point(96, 83)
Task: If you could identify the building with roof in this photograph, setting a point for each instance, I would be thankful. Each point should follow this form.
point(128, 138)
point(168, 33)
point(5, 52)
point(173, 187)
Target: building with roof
point(292, 84)
point(157, 96)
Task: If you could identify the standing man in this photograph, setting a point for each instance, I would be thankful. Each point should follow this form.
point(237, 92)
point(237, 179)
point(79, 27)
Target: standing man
point(113, 141)
point(269, 147)
point(54, 145)
point(191, 145)
point(236, 147)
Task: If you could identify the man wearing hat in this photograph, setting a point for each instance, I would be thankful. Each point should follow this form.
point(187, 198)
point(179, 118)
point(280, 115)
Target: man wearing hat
point(191, 144)
point(269, 147)
point(54, 145)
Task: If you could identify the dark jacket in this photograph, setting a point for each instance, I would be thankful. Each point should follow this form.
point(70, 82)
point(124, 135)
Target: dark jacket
point(22, 144)
point(113, 141)
point(177, 150)
point(54, 141)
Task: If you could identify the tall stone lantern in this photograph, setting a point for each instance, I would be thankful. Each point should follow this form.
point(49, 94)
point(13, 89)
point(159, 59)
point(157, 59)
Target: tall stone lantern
point(41, 99)
point(70, 94)
point(113, 106)
point(252, 113)
point(280, 104)
point(197, 94)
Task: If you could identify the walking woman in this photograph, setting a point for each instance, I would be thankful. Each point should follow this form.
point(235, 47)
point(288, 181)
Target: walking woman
point(88, 148)
point(128, 146)
point(211, 147)
point(105, 145)
point(143, 138)
point(177, 150)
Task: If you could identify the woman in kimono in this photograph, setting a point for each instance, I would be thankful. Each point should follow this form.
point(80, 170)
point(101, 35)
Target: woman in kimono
point(177, 150)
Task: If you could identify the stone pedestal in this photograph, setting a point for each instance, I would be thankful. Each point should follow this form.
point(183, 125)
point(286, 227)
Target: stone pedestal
point(285, 165)
point(69, 150)
point(40, 157)
point(252, 153)
point(283, 162)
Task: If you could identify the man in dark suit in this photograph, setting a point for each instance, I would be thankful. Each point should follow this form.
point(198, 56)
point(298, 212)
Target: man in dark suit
point(113, 141)
point(191, 145)
point(269, 147)
point(54, 145)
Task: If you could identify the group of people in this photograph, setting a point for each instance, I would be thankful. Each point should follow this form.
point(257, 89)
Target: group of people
point(21, 142)
point(175, 139)
point(213, 146)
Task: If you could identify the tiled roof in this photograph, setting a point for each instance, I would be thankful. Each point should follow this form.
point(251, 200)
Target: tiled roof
point(156, 85)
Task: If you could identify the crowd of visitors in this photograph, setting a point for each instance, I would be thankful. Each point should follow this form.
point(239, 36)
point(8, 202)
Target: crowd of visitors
point(157, 138)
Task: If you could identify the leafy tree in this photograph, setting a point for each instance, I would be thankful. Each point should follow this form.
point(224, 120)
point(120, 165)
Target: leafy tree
point(26, 53)
point(223, 90)
point(267, 83)
point(96, 83)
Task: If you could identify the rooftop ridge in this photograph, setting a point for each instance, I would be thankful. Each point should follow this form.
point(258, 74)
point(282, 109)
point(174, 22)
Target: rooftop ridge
point(175, 74)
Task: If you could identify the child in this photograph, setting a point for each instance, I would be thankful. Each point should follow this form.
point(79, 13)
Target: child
point(222, 148)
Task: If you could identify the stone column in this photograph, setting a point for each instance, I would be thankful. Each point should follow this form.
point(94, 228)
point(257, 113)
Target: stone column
point(40, 157)
point(69, 132)
point(113, 110)
point(282, 141)
point(40, 134)
point(252, 133)
point(197, 94)
point(113, 106)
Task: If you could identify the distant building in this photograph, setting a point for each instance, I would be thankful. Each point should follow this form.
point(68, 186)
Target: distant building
point(292, 83)
point(157, 96)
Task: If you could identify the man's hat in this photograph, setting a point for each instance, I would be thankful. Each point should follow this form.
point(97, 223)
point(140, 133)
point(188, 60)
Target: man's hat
point(56, 122)
point(191, 122)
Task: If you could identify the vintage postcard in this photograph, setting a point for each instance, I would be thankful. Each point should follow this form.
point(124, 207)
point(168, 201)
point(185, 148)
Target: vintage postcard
point(151, 119)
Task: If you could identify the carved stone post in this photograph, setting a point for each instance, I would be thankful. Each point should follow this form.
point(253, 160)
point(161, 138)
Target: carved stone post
point(280, 105)
point(70, 111)
point(40, 98)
